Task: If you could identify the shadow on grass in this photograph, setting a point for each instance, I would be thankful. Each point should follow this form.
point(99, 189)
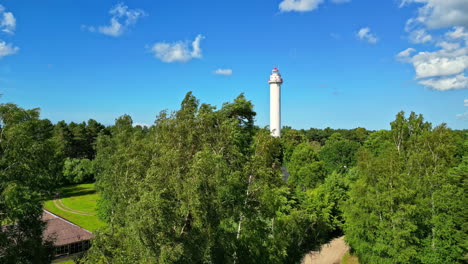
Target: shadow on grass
point(76, 190)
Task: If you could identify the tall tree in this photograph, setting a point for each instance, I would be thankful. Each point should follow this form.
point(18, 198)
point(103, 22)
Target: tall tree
point(202, 186)
point(28, 172)
point(404, 190)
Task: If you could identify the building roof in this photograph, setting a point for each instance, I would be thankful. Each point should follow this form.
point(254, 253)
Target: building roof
point(63, 232)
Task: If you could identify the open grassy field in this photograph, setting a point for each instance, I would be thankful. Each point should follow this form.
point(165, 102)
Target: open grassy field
point(77, 204)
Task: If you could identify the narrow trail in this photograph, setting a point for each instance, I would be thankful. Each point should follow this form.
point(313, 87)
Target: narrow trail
point(59, 204)
point(330, 253)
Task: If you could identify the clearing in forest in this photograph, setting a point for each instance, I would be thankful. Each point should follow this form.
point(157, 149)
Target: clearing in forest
point(77, 204)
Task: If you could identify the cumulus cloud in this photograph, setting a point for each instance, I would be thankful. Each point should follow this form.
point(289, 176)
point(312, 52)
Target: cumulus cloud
point(446, 83)
point(181, 51)
point(7, 49)
point(440, 63)
point(304, 5)
point(121, 19)
point(457, 33)
point(299, 5)
point(419, 36)
point(444, 67)
point(463, 116)
point(441, 13)
point(7, 21)
point(405, 55)
point(226, 72)
point(365, 34)
point(465, 102)
point(448, 45)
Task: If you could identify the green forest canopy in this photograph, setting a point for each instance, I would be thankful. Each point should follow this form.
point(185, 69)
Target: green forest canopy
point(205, 185)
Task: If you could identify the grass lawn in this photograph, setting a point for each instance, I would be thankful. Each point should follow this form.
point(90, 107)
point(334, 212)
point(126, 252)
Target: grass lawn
point(81, 197)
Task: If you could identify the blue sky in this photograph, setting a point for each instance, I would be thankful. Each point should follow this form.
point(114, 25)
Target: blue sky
point(344, 63)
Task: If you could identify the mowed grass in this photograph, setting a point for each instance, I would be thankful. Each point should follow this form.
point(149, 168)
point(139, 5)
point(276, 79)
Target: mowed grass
point(81, 197)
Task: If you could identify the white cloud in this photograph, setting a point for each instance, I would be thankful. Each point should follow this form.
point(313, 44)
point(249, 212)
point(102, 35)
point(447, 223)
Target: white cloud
point(121, 19)
point(443, 68)
point(446, 83)
point(197, 52)
point(7, 21)
point(299, 5)
point(405, 55)
point(226, 72)
point(440, 63)
point(441, 13)
point(178, 51)
point(457, 33)
point(365, 34)
point(448, 45)
point(7, 49)
point(463, 116)
point(465, 102)
point(419, 36)
point(88, 28)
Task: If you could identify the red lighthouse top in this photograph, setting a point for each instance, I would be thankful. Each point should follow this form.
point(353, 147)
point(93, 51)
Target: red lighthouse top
point(275, 77)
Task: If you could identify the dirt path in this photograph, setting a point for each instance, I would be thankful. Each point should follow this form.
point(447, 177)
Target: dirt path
point(59, 204)
point(331, 253)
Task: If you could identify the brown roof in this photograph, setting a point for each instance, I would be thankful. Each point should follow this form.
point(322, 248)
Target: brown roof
point(62, 231)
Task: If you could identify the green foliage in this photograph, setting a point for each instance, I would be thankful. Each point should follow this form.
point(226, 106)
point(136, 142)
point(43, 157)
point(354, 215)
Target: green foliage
point(328, 199)
point(77, 141)
point(290, 139)
point(357, 135)
point(27, 172)
point(78, 170)
point(407, 205)
point(305, 168)
point(338, 153)
point(75, 147)
point(201, 186)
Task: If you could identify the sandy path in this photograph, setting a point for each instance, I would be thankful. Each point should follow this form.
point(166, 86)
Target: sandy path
point(330, 253)
point(59, 204)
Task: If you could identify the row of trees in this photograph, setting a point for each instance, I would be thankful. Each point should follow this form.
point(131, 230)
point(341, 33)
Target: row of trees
point(75, 146)
point(205, 185)
point(399, 196)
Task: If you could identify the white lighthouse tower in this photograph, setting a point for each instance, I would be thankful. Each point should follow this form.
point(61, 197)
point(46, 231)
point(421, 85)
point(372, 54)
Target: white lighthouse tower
point(275, 102)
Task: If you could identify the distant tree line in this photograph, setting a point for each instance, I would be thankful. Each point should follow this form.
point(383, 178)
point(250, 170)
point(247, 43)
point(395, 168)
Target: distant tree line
point(205, 185)
point(75, 145)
